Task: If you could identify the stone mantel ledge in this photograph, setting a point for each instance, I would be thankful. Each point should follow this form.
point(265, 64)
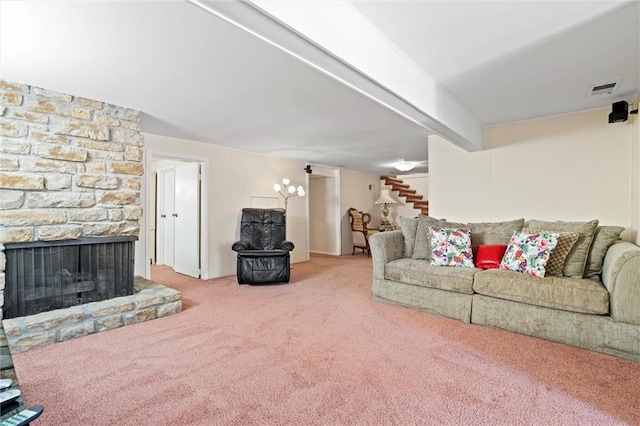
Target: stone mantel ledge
point(149, 301)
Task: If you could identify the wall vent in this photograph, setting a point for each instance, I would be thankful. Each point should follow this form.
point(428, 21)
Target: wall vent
point(604, 88)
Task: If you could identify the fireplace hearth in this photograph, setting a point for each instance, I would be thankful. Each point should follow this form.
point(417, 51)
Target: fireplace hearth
point(43, 276)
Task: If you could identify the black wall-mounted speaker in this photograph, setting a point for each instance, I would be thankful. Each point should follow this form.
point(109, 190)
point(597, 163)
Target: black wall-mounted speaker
point(619, 112)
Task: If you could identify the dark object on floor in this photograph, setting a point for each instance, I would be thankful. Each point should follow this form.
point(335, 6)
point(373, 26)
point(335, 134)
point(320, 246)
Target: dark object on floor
point(263, 253)
point(24, 417)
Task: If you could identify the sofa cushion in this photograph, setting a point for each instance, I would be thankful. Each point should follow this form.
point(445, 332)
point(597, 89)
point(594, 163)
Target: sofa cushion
point(422, 246)
point(451, 247)
point(409, 227)
point(489, 233)
point(569, 294)
point(421, 273)
point(577, 258)
point(566, 241)
point(603, 238)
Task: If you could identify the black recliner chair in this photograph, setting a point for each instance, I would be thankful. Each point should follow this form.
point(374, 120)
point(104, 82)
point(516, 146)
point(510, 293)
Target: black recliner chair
point(263, 253)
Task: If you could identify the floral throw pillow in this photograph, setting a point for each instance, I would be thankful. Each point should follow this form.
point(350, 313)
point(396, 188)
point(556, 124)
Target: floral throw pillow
point(529, 253)
point(566, 241)
point(451, 247)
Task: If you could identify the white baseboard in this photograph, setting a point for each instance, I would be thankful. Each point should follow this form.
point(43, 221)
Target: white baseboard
point(322, 252)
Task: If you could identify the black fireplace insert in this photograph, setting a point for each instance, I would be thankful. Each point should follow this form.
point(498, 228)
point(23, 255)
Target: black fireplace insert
point(42, 276)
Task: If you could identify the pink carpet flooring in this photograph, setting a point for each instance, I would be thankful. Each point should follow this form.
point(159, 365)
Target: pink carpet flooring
point(319, 351)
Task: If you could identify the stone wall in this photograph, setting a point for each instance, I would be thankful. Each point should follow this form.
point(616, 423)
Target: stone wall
point(70, 167)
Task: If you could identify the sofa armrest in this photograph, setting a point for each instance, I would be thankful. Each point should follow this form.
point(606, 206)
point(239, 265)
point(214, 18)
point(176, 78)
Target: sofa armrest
point(621, 276)
point(385, 247)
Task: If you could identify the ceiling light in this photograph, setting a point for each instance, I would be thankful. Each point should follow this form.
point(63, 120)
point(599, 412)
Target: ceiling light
point(404, 166)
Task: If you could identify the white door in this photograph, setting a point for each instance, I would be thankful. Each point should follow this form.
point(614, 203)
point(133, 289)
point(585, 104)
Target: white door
point(187, 219)
point(165, 218)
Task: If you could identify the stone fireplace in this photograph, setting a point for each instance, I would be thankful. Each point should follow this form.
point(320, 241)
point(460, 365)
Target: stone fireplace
point(70, 175)
point(70, 168)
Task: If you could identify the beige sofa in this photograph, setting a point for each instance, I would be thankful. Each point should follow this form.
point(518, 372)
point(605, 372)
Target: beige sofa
point(600, 313)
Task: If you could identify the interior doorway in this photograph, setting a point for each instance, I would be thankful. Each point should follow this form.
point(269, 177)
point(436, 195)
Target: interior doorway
point(325, 218)
point(176, 215)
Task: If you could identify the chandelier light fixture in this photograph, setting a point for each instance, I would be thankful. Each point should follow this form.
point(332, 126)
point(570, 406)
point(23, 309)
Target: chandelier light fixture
point(287, 191)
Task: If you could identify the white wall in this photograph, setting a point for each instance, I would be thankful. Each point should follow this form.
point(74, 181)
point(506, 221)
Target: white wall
point(322, 218)
point(360, 191)
point(572, 167)
point(233, 176)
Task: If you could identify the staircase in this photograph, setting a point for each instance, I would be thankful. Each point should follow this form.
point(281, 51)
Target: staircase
point(409, 194)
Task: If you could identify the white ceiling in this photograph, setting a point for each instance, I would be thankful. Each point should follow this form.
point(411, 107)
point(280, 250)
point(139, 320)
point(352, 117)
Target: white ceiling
point(196, 76)
point(512, 61)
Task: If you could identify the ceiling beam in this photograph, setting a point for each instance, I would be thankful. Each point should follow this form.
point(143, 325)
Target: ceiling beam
point(353, 52)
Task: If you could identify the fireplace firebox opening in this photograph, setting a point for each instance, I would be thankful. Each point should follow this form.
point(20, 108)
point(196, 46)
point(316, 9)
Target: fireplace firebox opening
point(43, 276)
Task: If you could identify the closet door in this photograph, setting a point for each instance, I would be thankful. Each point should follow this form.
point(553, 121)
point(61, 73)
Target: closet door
point(187, 219)
point(165, 220)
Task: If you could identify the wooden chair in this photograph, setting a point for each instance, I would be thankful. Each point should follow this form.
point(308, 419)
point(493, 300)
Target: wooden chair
point(360, 231)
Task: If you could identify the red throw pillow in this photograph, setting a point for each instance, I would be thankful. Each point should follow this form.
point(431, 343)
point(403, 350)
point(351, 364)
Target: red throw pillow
point(489, 256)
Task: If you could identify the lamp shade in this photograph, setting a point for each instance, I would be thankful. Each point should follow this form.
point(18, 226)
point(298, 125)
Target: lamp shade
point(385, 198)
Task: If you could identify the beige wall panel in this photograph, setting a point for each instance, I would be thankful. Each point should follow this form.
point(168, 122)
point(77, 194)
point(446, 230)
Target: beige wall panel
point(571, 167)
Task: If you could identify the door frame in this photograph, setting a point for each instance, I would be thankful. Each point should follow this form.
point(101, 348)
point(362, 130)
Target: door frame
point(204, 207)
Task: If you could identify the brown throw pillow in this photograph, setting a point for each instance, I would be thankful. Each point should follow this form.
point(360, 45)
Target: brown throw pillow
point(577, 257)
